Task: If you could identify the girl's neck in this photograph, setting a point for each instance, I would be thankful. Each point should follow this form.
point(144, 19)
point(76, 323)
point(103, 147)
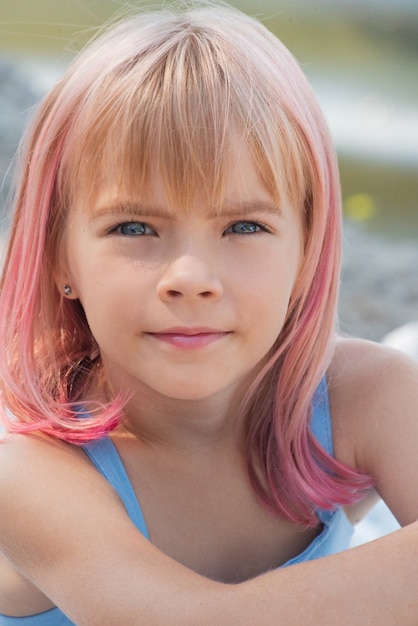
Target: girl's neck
point(191, 424)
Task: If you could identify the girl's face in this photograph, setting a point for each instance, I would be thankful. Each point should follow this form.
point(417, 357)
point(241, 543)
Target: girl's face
point(185, 305)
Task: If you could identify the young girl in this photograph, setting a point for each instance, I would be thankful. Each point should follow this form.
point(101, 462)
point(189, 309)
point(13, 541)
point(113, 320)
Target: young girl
point(182, 419)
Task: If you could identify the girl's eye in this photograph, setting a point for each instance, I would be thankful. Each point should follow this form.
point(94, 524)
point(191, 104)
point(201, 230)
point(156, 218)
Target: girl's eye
point(244, 228)
point(134, 229)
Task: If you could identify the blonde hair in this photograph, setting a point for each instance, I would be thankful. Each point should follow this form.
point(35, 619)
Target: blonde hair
point(173, 90)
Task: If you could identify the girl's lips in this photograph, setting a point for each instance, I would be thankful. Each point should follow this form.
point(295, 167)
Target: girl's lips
point(189, 339)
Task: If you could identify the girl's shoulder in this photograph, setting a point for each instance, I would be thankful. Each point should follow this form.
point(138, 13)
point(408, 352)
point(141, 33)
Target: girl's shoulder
point(373, 392)
point(360, 359)
point(38, 468)
point(56, 511)
point(24, 473)
point(368, 381)
point(366, 376)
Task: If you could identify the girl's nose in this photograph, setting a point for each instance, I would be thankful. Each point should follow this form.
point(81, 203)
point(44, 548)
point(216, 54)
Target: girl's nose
point(189, 277)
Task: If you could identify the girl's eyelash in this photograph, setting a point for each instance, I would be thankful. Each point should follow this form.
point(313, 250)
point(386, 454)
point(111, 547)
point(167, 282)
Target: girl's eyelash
point(137, 228)
point(247, 227)
point(132, 228)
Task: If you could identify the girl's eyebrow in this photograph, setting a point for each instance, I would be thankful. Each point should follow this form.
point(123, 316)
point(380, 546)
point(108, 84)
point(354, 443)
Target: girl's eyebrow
point(249, 206)
point(130, 208)
point(225, 209)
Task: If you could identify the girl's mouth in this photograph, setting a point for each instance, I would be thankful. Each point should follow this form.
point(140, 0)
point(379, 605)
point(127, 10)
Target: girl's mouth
point(189, 338)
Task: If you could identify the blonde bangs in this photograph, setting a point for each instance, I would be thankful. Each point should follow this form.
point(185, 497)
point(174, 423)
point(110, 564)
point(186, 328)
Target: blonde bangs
point(180, 110)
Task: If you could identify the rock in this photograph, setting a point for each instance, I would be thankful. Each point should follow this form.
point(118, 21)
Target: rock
point(379, 289)
point(403, 287)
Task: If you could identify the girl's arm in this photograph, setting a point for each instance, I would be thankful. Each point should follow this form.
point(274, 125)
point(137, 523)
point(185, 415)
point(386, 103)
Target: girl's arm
point(78, 546)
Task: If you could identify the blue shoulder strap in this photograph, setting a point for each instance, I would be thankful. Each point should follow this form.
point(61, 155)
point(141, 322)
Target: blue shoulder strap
point(321, 417)
point(321, 428)
point(105, 457)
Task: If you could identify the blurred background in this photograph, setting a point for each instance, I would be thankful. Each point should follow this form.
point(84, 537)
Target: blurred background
point(361, 57)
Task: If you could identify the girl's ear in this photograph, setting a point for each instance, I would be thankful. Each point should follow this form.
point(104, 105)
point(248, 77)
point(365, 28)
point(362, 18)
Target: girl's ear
point(63, 279)
point(66, 287)
point(69, 293)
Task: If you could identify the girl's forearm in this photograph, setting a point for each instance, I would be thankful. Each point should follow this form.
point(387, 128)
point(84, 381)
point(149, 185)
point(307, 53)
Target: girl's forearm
point(372, 584)
point(376, 583)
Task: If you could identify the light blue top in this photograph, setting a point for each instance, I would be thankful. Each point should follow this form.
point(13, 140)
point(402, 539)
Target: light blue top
point(334, 537)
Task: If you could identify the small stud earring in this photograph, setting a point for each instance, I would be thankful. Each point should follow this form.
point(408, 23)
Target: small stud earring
point(67, 290)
